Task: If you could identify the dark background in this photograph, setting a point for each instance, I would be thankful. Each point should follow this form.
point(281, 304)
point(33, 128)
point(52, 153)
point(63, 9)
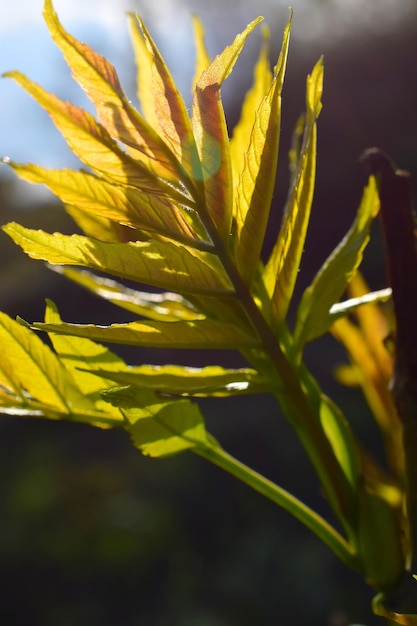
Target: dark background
point(91, 532)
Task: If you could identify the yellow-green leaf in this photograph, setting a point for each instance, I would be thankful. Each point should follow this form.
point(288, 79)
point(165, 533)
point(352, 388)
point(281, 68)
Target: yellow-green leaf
point(159, 427)
point(78, 355)
point(313, 314)
point(165, 306)
point(257, 178)
point(202, 60)
point(242, 131)
point(197, 334)
point(189, 381)
point(210, 131)
point(123, 205)
point(38, 370)
point(282, 268)
point(160, 264)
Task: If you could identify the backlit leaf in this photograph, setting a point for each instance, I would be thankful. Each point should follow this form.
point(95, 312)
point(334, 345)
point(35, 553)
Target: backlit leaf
point(93, 145)
point(243, 129)
point(189, 381)
point(257, 179)
point(313, 315)
point(202, 60)
point(100, 81)
point(165, 306)
point(124, 205)
point(37, 369)
point(79, 354)
point(282, 268)
point(160, 264)
point(185, 334)
point(170, 110)
point(210, 131)
point(159, 427)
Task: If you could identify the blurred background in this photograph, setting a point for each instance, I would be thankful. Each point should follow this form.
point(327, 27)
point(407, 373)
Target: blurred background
point(92, 533)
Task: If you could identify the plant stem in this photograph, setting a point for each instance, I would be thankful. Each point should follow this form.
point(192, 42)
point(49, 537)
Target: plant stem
point(319, 526)
point(298, 406)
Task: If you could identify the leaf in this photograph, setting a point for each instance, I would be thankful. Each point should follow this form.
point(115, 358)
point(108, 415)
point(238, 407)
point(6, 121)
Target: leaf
point(122, 205)
point(160, 264)
point(257, 179)
point(189, 381)
point(341, 309)
point(210, 132)
point(79, 355)
point(100, 81)
point(94, 146)
point(197, 334)
point(101, 228)
point(166, 306)
point(202, 60)
point(37, 369)
point(242, 131)
point(170, 110)
point(313, 314)
point(159, 427)
point(282, 268)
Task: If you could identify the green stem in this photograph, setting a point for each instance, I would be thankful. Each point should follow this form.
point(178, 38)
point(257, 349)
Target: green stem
point(322, 529)
point(318, 447)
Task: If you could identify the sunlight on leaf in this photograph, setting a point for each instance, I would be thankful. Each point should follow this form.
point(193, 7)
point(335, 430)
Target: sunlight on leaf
point(313, 314)
point(159, 427)
point(282, 268)
point(189, 271)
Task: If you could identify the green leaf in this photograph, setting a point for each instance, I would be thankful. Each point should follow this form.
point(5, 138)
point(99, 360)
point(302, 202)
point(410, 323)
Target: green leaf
point(313, 315)
point(166, 306)
point(188, 381)
point(211, 135)
point(159, 427)
point(257, 178)
point(283, 265)
point(161, 264)
point(198, 334)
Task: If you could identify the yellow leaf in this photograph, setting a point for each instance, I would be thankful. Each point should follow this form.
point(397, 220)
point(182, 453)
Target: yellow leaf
point(122, 205)
point(37, 369)
point(199, 334)
point(160, 264)
point(257, 178)
point(242, 131)
point(165, 306)
point(100, 81)
point(202, 56)
point(80, 354)
point(94, 146)
point(210, 131)
point(170, 109)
